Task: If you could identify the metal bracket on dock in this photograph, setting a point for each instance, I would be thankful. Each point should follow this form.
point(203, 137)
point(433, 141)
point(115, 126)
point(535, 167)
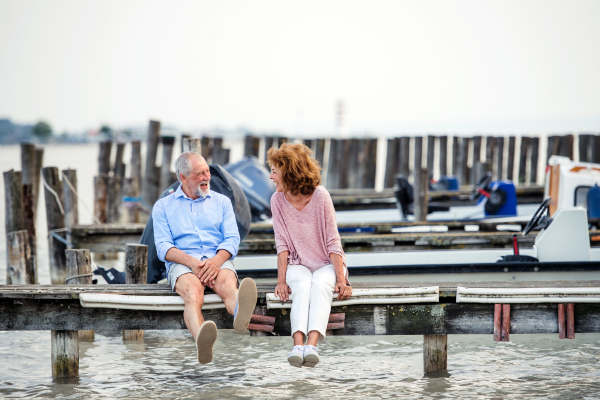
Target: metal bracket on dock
point(374, 296)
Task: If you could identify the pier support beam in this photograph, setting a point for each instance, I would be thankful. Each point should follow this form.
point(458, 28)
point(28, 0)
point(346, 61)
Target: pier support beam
point(65, 354)
point(55, 218)
point(79, 271)
point(136, 270)
point(435, 353)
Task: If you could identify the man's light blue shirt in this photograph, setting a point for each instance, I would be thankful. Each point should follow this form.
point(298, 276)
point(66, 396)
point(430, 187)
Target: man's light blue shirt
point(199, 228)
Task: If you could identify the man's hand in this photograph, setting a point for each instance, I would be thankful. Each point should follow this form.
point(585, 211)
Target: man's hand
point(344, 291)
point(283, 291)
point(209, 269)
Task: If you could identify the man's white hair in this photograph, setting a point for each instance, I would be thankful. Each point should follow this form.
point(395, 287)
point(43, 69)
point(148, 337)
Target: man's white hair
point(183, 164)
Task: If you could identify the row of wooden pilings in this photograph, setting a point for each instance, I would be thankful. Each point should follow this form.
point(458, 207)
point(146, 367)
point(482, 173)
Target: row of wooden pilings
point(351, 163)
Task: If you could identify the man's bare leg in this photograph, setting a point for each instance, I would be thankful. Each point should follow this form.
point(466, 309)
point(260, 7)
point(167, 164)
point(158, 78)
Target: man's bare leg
point(226, 287)
point(188, 286)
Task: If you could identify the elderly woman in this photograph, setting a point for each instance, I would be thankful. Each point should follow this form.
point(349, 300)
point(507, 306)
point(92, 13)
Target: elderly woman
point(310, 260)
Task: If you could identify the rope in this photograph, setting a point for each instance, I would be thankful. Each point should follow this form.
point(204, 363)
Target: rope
point(62, 211)
point(58, 237)
point(77, 195)
point(77, 276)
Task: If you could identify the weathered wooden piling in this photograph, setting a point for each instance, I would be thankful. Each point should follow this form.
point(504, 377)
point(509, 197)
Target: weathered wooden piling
point(79, 271)
point(523, 159)
point(29, 224)
point(30, 171)
point(104, 157)
point(136, 272)
point(500, 158)
point(101, 197)
point(13, 206)
point(69, 188)
point(464, 169)
point(194, 145)
point(417, 156)
point(443, 146)
point(64, 354)
point(421, 197)
point(151, 175)
point(510, 165)
point(570, 311)
point(206, 148)
point(435, 353)
point(119, 169)
point(251, 146)
point(490, 149)
point(166, 176)
point(114, 203)
point(534, 146)
point(430, 152)
point(136, 161)
point(55, 219)
point(261, 326)
point(566, 146)
point(220, 155)
point(19, 266)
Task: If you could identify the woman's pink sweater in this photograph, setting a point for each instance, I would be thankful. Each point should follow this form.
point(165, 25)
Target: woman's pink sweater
point(309, 235)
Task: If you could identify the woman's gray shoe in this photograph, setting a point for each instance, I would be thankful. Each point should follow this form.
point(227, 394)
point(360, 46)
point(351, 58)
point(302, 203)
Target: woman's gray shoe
point(296, 357)
point(311, 357)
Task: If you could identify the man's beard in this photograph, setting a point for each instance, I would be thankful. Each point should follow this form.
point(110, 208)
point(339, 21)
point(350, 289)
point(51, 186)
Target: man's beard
point(203, 193)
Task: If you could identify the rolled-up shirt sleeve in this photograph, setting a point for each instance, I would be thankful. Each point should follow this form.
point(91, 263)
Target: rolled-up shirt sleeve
point(278, 227)
point(163, 238)
point(229, 229)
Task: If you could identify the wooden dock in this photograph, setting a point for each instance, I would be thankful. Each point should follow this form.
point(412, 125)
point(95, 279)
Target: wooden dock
point(57, 308)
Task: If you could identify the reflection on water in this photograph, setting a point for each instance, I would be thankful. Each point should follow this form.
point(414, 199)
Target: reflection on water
point(164, 366)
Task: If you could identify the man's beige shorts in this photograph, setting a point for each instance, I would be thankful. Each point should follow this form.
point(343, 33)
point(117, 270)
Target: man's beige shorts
point(177, 270)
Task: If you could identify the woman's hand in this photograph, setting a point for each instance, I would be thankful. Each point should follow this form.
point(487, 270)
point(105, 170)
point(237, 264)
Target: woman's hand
point(283, 291)
point(344, 290)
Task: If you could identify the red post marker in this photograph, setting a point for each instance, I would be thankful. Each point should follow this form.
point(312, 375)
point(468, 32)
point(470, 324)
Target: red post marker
point(262, 319)
point(515, 245)
point(570, 321)
point(260, 327)
point(561, 321)
point(337, 317)
point(505, 322)
point(497, 322)
point(335, 325)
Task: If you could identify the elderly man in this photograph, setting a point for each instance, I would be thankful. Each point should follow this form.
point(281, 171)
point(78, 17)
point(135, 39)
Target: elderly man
point(197, 236)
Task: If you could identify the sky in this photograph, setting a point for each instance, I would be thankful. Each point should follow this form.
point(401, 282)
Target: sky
point(282, 66)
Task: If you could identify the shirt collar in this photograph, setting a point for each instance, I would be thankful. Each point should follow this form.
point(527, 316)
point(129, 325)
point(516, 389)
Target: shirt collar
point(179, 193)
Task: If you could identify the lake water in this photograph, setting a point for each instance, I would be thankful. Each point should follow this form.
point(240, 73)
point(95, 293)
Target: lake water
point(164, 364)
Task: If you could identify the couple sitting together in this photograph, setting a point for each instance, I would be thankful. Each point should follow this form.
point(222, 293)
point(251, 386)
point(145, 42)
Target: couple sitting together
point(196, 235)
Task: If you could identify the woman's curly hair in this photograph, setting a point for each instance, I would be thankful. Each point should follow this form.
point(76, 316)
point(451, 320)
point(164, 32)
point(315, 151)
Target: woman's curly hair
point(300, 173)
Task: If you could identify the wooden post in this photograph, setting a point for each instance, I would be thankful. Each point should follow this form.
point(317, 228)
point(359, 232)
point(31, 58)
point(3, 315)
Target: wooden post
point(119, 164)
point(19, 267)
point(443, 155)
point(430, 152)
point(417, 158)
point(320, 151)
point(104, 157)
point(464, 170)
point(490, 146)
point(552, 148)
point(114, 202)
point(510, 164)
point(251, 144)
point(435, 353)
point(335, 162)
point(101, 197)
point(220, 154)
point(404, 155)
point(566, 146)
point(194, 145)
point(534, 144)
point(136, 161)
point(65, 354)
point(71, 210)
point(29, 170)
point(595, 149)
point(165, 171)
point(136, 270)
point(259, 311)
point(131, 189)
point(39, 159)
point(150, 184)
point(206, 149)
point(505, 322)
point(473, 179)
point(421, 199)
point(29, 225)
point(183, 137)
point(55, 219)
point(456, 158)
point(497, 322)
point(391, 162)
point(355, 155)
point(523, 159)
point(13, 208)
point(500, 158)
point(79, 271)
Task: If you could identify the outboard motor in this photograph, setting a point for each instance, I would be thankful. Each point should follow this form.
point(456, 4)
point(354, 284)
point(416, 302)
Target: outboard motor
point(253, 178)
point(499, 198)
point(404, 193)
point(445, 183)
point(221, 182)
